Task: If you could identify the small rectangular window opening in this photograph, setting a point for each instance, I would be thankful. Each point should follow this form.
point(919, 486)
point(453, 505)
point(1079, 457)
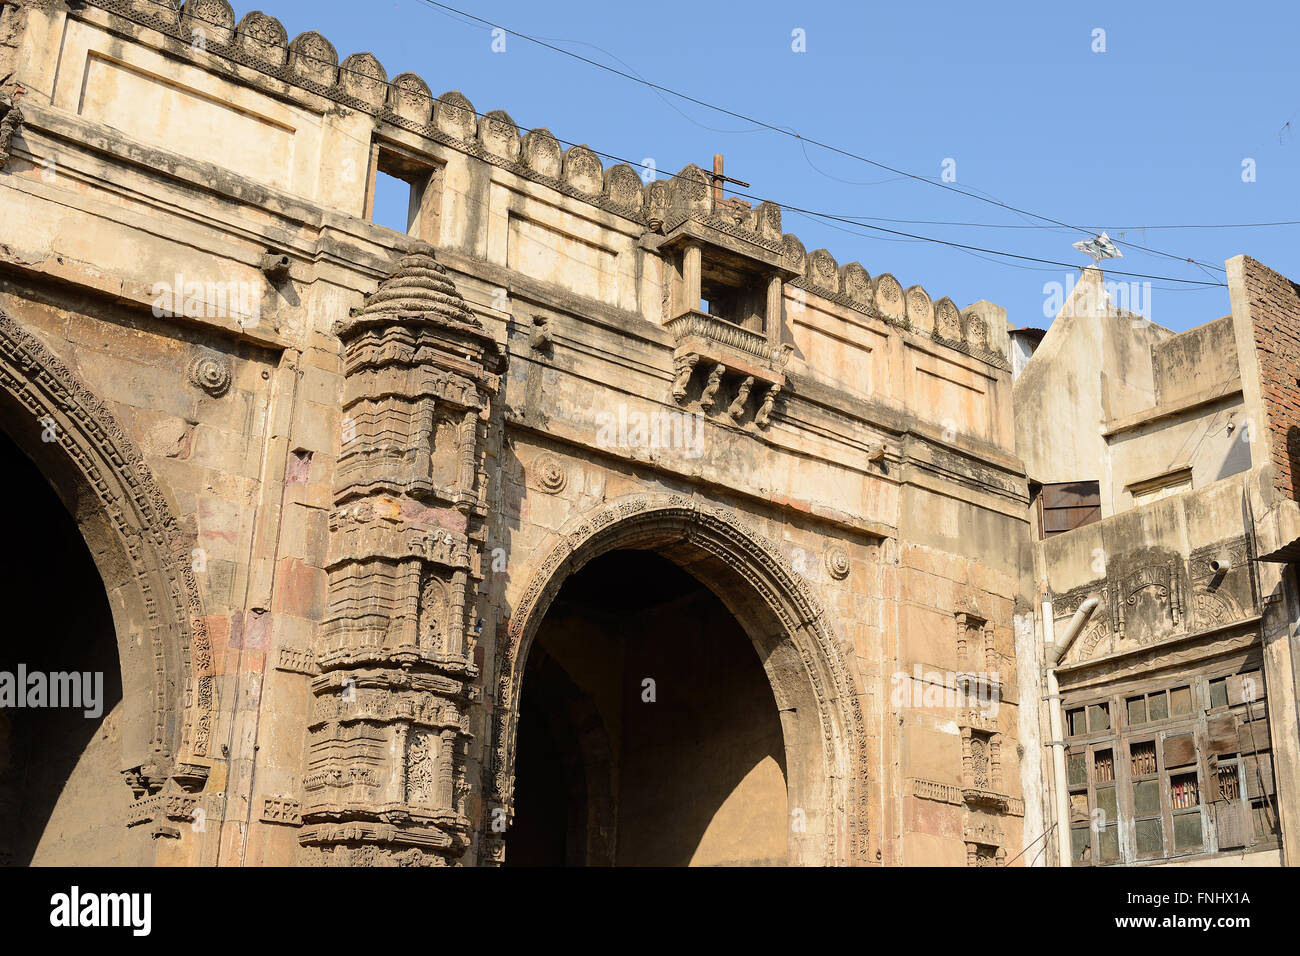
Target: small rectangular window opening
point(405, 192)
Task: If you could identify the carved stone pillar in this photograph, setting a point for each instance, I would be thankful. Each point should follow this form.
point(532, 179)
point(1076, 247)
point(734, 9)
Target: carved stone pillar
point(772, 312)
point(692, 261)
point(390, 716)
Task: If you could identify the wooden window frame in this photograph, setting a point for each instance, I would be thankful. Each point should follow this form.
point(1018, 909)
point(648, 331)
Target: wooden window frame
point(1256, 801)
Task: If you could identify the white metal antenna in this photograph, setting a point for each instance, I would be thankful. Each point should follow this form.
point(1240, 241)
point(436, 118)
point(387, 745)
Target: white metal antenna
point(1100, 247)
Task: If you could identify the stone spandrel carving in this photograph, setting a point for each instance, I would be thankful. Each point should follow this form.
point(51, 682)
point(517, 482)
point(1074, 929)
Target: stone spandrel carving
point(395, 653)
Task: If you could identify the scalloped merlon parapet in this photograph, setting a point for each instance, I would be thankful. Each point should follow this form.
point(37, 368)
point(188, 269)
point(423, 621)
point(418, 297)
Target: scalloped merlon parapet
point(208, 20)
point(263, 38)
point(409, 97)
point(314, 59)
point(683, 207)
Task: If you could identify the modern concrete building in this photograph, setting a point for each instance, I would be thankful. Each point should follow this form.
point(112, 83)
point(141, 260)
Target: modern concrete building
point(590, 521)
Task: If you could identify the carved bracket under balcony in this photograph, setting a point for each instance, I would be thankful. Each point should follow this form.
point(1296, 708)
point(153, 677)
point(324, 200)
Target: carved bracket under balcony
point(740, 373)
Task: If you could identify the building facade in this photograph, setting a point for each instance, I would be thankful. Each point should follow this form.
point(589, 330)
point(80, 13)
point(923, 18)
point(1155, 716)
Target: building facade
point(590, 521)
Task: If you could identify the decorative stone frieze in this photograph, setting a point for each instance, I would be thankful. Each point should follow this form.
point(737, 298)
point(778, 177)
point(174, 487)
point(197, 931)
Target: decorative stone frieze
point(385, 773)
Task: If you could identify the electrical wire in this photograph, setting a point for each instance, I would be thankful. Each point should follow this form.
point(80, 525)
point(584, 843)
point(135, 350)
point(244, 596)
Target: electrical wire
point(829, 217)
point(787, 132)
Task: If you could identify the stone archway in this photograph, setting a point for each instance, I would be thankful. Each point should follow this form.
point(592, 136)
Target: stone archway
point(821, 714)
point(143, 556)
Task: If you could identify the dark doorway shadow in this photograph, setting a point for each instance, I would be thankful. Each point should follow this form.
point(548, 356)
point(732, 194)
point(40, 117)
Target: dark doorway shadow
point(60, 782)
point(654, 736)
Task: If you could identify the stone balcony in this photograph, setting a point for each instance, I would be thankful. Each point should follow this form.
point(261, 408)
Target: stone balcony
point(741, 363)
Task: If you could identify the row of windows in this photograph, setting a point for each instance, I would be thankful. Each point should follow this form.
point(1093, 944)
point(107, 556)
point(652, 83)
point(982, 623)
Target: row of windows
point(1172, 771)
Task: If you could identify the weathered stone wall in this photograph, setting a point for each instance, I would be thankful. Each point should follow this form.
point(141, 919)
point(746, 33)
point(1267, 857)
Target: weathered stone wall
point(855, 455)
point(1172, 571)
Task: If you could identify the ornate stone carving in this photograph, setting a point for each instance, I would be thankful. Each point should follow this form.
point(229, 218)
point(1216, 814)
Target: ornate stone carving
point(855, 283)
point(792, 251)
point(167, 11)
point(454, 115)
point(282, 810)
point(683, 365)
point(837, 562)
point(623, 186)
point(823, 271)
point(796, 614)
point(264, 38)
point(212, 374)
point(709, 397)
point(499, 135)
point(541, 151)
point(690, 191)
point(888, 296)
point(362, 76)
point(313, 58)
point(550, 473)
point(920, 313)
point(409, 96)
point(583, 171)
point(947, 320)
point(977, 331)
point(764, 417)
point(162, 589)
point(395, 651)
point(736, 409)
point(206, 21)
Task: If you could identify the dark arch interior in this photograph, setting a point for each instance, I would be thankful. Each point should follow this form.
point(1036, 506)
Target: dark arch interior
point(613, 770)
point(62, 796)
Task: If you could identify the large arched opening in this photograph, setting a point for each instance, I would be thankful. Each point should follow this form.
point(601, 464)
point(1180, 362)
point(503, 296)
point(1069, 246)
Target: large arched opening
point(62, 800)
point(648, 734)
point(785, 716)
point(98, 581)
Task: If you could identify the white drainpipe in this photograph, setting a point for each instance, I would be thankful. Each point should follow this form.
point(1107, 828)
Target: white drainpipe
point(1054, 652)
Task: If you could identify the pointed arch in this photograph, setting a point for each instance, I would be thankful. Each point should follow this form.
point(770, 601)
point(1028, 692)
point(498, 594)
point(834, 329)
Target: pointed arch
point(820, 706)
point(140, 549)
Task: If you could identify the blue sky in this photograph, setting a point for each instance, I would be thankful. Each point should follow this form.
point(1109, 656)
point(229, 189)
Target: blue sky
point(1152, 131)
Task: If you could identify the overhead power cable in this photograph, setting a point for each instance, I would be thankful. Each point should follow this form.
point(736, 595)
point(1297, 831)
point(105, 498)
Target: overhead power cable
point(829, 217)
point(785, 131)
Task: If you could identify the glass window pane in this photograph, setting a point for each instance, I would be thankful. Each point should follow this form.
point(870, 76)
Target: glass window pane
point(1099, 716)
point(1219, 692)
point(1137, 711)
point(1078, 772)
point(1079, 805)
point(1081, 843)
point(1108, 844)
point(1075, 720)
point(1180, 701)
point(1146, 796)
point(1107, 805)
point(1187, 831)
point(1150, 836)
point(1159, 706)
